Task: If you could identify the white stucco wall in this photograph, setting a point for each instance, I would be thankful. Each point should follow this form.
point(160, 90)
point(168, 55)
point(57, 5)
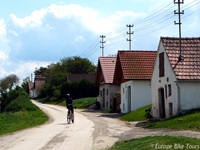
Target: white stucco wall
point(109, 90)
point(140, 94)
point(189, 95)
point(163, 82)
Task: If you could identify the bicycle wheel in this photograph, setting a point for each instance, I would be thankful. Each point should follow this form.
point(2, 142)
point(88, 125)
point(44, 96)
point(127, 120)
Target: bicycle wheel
point(69, 117)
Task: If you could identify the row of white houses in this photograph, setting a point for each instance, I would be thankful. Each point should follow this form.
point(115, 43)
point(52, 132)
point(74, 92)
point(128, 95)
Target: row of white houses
point(168, 78)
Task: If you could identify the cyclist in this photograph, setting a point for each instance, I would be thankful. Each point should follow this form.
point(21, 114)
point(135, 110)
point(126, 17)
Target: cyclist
point(69, 104)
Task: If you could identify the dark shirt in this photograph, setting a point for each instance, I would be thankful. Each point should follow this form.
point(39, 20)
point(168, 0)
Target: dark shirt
point(69, 101)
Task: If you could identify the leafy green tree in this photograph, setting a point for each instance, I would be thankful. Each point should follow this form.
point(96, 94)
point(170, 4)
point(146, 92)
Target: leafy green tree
point(78, 65)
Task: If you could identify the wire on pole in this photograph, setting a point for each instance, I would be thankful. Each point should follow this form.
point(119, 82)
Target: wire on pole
point(179, 12)
point(129, 33)
point(102, 42)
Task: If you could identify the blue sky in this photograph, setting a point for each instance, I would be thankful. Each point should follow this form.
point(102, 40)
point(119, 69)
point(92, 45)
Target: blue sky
point(35, 33)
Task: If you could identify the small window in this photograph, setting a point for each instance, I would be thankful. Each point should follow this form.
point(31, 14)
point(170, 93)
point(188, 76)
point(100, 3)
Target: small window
point(169, 89)
point(166, 91)
point(123, 90)
point(161, 65)
point(107, 91)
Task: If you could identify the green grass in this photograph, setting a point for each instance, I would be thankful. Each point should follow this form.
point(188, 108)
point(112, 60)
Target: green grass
point(137, 115)
point(189, 121)
point(10, 122)
point(82, 102)
point(158, 142)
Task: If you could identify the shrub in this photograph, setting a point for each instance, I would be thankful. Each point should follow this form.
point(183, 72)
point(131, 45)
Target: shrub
point(21, 103)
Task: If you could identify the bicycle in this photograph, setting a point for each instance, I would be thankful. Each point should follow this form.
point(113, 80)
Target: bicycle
point(70, 117)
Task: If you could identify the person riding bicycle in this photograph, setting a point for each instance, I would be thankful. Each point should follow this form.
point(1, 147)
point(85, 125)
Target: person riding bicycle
point(69, 103)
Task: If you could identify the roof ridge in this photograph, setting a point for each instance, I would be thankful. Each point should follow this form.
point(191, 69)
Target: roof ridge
point(181, 38)
point(136, 50)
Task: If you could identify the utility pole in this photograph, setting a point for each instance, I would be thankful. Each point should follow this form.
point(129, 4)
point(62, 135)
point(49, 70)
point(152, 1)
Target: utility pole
point(102, 42)
point(179, 12)
point(129, 33)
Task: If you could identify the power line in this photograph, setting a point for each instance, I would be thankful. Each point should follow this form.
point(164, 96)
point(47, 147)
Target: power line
point(154, 15)
point(119, 35)
point(90, 47)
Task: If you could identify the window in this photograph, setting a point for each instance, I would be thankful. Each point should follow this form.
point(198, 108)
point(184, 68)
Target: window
point(107, 91)
point(161, 65)
point(169, 89)
point(166, 91)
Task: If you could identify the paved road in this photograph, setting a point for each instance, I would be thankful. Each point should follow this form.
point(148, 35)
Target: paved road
point(91, 131)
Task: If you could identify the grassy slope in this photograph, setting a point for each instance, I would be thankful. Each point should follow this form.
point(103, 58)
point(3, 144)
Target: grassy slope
point(137, 115)
point(10, 122)
point(158, 142)
point(189, 121)
point(184, 122)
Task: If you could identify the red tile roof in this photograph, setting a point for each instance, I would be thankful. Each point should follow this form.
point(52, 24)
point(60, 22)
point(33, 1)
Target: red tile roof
point(105, 70)
point(134, 65)
point(189, 68)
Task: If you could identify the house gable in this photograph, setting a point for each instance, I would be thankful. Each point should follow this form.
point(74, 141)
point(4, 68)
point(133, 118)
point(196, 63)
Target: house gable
point(105, 70)
point(189, 67)
point(172, 91)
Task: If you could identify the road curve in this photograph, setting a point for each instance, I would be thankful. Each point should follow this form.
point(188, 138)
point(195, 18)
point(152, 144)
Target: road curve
point(56, 134)
point(92, 130)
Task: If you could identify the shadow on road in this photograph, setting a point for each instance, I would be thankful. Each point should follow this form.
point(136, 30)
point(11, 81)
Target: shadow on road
point(102, 114)
point(63, 124)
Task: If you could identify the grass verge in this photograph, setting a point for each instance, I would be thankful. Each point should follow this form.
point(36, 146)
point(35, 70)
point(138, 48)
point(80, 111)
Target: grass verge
point(82, 102)
point(158, 142)
point(137, 115)
point(188, 121)
point(11, 122)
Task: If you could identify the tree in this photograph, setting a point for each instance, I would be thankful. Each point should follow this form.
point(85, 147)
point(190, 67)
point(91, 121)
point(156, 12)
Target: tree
point(56, 85)
point(8, 82)
point(78, 65)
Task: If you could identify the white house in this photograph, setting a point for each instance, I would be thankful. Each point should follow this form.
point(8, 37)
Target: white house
point(133, 71)
point(175, 81)
point(104, 79)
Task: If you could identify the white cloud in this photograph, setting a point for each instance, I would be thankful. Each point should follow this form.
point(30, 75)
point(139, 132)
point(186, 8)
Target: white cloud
point(34, 20)
point(25, 69)
point(4, 57)
point(3, 31)
point(78, 39)
point(59, 31)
